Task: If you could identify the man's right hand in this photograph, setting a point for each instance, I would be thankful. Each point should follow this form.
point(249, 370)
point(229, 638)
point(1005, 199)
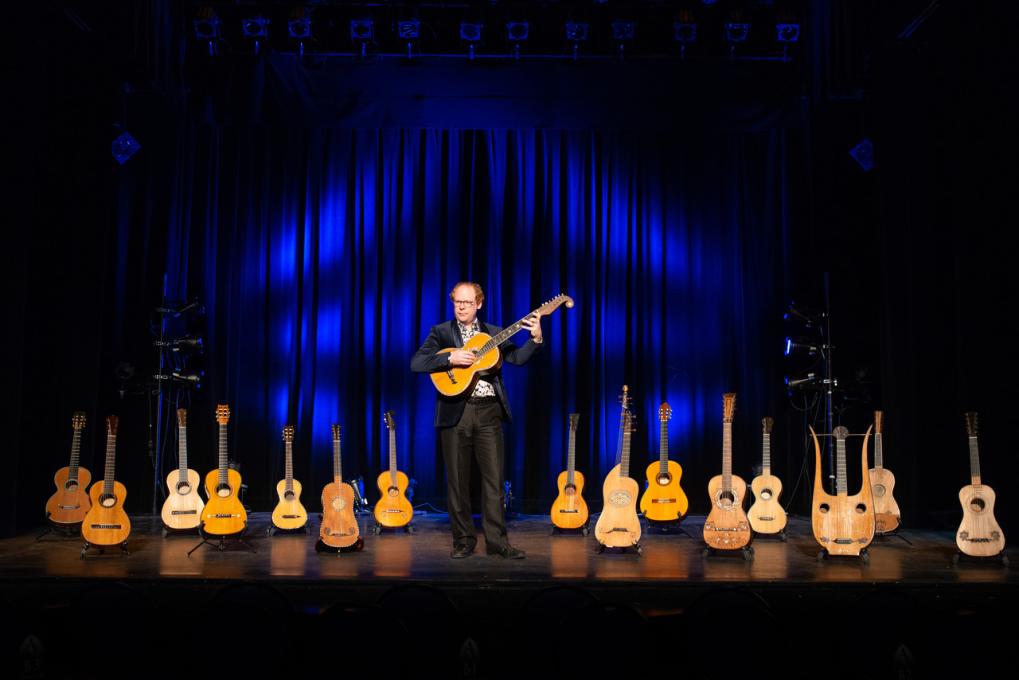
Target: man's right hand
point(461, 358)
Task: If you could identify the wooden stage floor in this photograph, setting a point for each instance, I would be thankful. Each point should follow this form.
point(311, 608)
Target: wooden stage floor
point(670, 590)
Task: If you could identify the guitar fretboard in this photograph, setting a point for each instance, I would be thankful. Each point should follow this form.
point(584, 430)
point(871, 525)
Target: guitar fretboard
point(624, 457)
point(337, 461)
point(663, 446)
point(72, 473)
point(841, 485)
point(974, 461)
point(727, 456)
point(222, 454)
point(766, 454)
point(571, 455)
point(111, 453)
point(879, 456)
point(182, 447)
point(392, 455)
point(290, 466)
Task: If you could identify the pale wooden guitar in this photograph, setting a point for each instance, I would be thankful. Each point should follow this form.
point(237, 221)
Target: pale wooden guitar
point(182, 508)
point(843, 524)
point(289, 514)
point(766, 514)
point(618, 525)
point(727, 527)
point(393, 509)
point(979, 534)
point(882, 482)
point(339, 526)
point(457, 380)
point(106, 523)
point(569, 510)
point(664, 499)
point(68, 506)
point(224, 514)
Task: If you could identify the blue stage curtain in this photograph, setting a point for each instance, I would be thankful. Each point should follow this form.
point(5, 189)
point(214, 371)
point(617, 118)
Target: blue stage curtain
point(325, 255)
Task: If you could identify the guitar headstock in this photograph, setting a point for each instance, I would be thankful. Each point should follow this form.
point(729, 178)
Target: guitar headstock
point(665, 412)
point(554, 304)
point(111, 425)
point(288, 433)
point(840, 433)
point(390, 421)
point(971, 423)
point(223, 414)
point(728, 406)
point(878, 417)
point(624, 398)
point(766, 424)
point(78, 420)
point(629, 426)
point(182, 417)
point(336, 432)
point(574, 419)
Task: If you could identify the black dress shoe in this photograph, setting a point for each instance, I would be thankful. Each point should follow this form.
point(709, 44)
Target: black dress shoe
point(460, 552)
point(506, 551)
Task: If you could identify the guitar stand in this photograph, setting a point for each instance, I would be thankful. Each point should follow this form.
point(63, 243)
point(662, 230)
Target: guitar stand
point(273, 530)
point(239, 539)
point(599, 549)
point(69, 531)
point(584, 530)
point(960, 556)
point(746, 552)
point(377, 529)
point(668, 527)
point(357, 546)
point(893, 534)
point(102, 549)
point(780, 535)
point(864, 556)
point(168, 532)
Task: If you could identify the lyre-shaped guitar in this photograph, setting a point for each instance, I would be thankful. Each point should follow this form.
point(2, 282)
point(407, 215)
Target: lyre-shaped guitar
point(842, 524)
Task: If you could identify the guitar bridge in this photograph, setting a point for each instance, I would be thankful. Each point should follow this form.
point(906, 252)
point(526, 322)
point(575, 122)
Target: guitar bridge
point(569, 512)
point(663, 500)
point(392, 510)
point(291, 517)
point(767, 519)
point(105, 526)
point(224, 515)
point(68, 507)
point(184, 512)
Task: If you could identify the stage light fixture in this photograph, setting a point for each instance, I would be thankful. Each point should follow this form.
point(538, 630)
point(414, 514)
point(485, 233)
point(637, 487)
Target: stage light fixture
point(795, 312)
point(299, 25)
point(623, 30)
point(863, 154)
point(409, 29)
point(800, 345)
point(736, 32)
point(577, 31)
point(787, 33)
point(517, 31)
point(801, 381)
point(685, 31)
point(362, 30)
point(255, 27)
point(124, 146)
point(470, 31)
point(206, 24)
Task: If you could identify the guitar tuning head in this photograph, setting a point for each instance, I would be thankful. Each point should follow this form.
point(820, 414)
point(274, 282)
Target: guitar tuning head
point(78, 420)
point(840, 432)
point(767, 422)
point(971, 423)
point(728, 406)
point(336, 431)
point(878, 417)
point(288, 433)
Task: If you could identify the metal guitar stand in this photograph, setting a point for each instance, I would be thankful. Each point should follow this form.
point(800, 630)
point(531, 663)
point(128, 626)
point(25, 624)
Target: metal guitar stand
point(235, 539)
point(746, 552)
point(102, 549)
point(960, 556)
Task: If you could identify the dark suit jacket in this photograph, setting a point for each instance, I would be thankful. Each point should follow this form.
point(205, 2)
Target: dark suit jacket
point(449, 409)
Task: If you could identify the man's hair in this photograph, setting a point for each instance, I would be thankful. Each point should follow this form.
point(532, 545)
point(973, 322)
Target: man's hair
point(478, 293)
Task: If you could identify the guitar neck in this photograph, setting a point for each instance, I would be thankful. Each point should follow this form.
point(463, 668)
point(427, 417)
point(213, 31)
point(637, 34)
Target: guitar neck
point(182, 447)
point(727, 456)
point(222, 454)
point(879, 456)
point(624, 458)
point(841, 485)
point(503, 335)
point(337, 461)
point(571, 456)
point(663, 446)
point(111, 454)
point(290, 466)
point(974, 462)
point(75, 455)
point(766, 454)
point(392, 455)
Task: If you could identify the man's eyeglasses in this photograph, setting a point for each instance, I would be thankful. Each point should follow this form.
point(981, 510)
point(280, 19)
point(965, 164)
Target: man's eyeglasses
point(463, 303)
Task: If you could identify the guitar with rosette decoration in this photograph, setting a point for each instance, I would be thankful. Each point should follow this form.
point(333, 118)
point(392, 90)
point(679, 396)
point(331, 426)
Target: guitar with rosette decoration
point(69, 505)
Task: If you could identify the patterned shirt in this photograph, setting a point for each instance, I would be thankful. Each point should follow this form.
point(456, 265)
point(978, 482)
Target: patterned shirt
point(483, 388)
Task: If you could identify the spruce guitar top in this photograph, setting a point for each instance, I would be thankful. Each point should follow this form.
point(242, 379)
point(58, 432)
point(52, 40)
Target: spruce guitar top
point(289, 514)
point(979, 534)
point(843, 524)
point(618, 525)
point(183, 507)
point(766, 514)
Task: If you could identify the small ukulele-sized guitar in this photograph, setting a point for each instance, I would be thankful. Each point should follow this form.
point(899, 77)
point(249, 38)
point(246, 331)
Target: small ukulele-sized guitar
point(727, 527)
point(393, 509)
point(339, 526)
point(882, 484)
point(106, 523)
point(618, 526)
point(457, 380)
point(224, 514)
point(979, 534)
point(843, 524)
point(766, 515)
point(289, 514)
point(182, 508)
point(569, 511)
point(664, 499)
point(67, 507)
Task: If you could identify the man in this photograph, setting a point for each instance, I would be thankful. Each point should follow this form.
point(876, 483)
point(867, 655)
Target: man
point(470, 425)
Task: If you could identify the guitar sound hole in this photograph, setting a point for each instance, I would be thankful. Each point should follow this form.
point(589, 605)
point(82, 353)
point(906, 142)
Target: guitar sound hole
point(570, 490)
point(107, 500)
point(223, 490)
point(766, 494)
point(393, 492)
point(664, 479)
point(824, 508)
point(861, 508)
point(288, 495)
point(727, 499)
point(338, 503)
point(183, 488)
point(879, 490)
point(71, 485)
point(977, 505)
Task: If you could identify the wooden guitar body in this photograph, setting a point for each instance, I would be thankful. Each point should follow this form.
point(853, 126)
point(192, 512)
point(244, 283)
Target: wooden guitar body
point(393, 509)
point(339, 527)
point(979, 534)
point(727, 527)
point(664, 500)
point(289, 514)
point(223, 514)
point(842, 524)
point(182, 508)
point(569, 510)
point(106, 522)
point(886, 511)
point(457, 380)
point(766, 514)
point(618, 525)
point(70, 503)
